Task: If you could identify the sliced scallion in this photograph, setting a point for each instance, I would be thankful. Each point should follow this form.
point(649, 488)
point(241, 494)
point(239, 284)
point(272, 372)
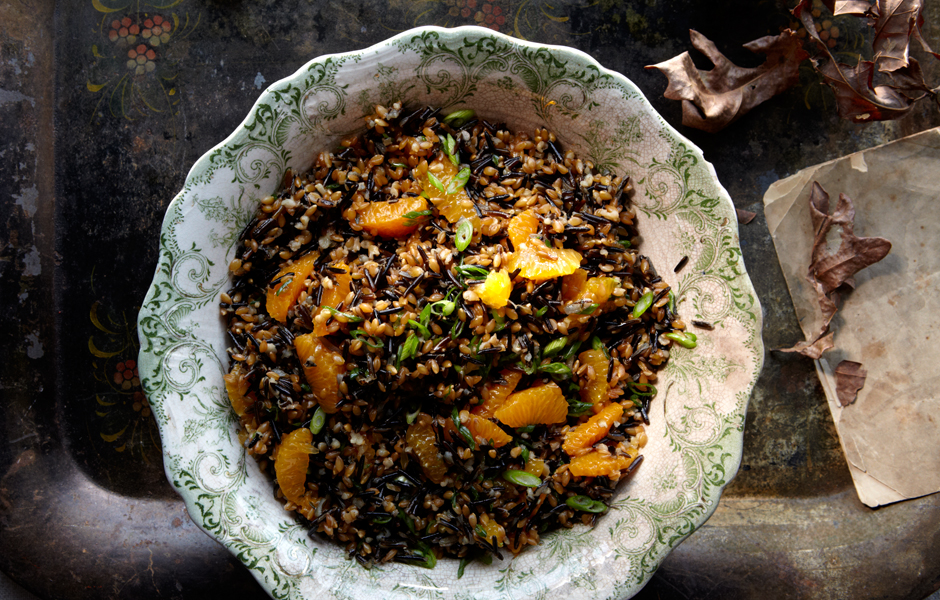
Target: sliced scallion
point(464, 234)
point(522, 478)
point(318, 420)
point(683, 339)
point(642, 305)
point(583, 503)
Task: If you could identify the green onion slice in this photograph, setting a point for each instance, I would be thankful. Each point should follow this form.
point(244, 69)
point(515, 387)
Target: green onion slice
point(459, 117)
point(464, 234)
point(318, 420)
point(642, 305)
point(459, 181)
point(556, 370)
point(450, 147)
point(583, 503)
point(436, 182)
point(683, 339)
point(522, 478)
point(554, 347)
point(351, 318)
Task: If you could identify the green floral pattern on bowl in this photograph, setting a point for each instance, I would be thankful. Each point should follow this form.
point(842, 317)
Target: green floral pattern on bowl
point(697, 420)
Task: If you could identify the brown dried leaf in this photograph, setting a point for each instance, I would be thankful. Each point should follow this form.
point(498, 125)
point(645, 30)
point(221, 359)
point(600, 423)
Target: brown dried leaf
point(832, 269)
point(850, 378)
point(857, 97)
point(744, 216)
point(812, 348)
point(850, 7)
point(894, 22)
point(712, 100)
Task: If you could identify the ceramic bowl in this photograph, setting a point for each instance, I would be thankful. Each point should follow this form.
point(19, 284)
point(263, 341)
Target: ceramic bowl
point(697, 419)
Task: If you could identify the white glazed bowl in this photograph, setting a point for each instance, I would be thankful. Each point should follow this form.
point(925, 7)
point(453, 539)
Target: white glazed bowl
point(697, 420)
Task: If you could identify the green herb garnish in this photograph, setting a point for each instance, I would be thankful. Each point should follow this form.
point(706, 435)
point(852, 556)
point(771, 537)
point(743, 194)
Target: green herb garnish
point(686, 340)
point(351, 318)
point(554, 347)
point(436, 182)
point(464, 234)
point(642, 305)
point(459, 181)
point(318, 420)
point(586, 504)
point(450, 148)
point(522, 478)
point(459, 117)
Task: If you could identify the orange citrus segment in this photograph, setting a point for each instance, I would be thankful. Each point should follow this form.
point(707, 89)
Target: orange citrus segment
point(573, 285)
point(595, 429)
point(494, 530)
point(335, 295)
point(494, 292)
point(452, 206)
point(321, 369)
point(598, 289)
point(535, 466)
point(494, 393)
point(595, 464)
point(287, 285)
point(540, 405)
point(538, 262)
point(484, 431)
point(290, 465)
point(423, 442)
point(389, 220)
point(595, 390)
point(521, 227)
point(237, 385)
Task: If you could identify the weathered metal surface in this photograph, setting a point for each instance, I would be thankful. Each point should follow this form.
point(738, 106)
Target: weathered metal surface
point(91, 152)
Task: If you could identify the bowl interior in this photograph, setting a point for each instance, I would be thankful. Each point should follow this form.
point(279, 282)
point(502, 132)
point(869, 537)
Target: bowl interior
point(697, 419)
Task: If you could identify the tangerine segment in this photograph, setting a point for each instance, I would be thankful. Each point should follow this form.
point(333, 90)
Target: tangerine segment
point(494, 530)
point(290, 465)
point(595, 390)
point(453, 206)
point(539, 405)
point(323, 366)
point(423, 442)
point(521, 227)
point(391, 220)
point(237, 385)
point(335, 295)
point(572, 286)
point(595, 464)
point(595, 429)
point(535, 466)
point(494, 393)
point(485, 431)
point(598, 289)
point(287, 285)
point(494, 292)
point(538, 262)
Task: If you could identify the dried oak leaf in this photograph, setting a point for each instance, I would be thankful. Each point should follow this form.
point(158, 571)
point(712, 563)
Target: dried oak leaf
point(829, 270)
point(744, 216)
point(857, 97)
point(712, 100)
point(832, 269)
point(850, 378)
point(894, 22)
point(813, 348)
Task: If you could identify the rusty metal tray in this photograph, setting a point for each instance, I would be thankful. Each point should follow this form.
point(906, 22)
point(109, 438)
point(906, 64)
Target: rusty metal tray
point(96, 136)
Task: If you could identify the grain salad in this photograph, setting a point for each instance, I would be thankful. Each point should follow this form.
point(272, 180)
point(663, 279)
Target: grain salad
point(444, 341)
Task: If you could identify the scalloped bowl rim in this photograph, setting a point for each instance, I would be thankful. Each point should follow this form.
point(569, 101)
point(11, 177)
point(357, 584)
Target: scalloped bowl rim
point(151, 309)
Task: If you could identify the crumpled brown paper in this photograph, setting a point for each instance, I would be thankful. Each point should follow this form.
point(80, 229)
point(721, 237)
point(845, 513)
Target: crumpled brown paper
point(891, 321)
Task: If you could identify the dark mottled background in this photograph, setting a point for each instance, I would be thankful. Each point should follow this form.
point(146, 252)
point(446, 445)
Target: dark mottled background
point(95, 142)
